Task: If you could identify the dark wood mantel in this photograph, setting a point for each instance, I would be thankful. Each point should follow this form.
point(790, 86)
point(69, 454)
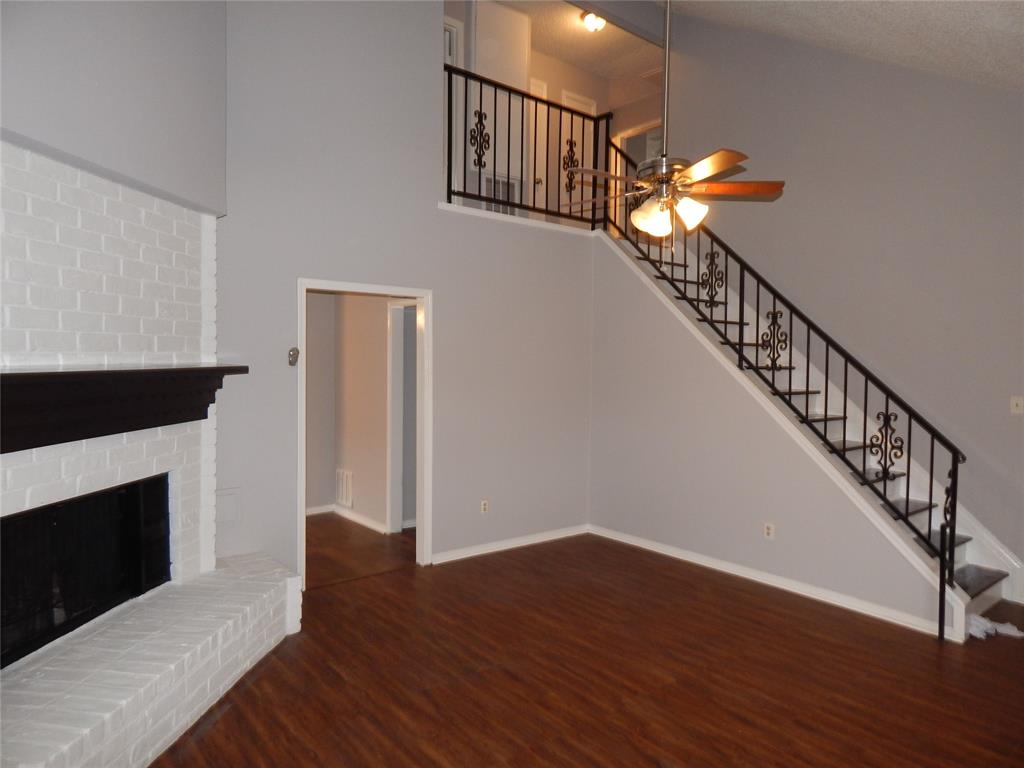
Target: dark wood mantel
point(45, 407)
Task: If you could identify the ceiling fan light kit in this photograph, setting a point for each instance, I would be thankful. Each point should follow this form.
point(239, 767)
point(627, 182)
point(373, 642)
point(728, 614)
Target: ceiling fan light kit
point(672, 183)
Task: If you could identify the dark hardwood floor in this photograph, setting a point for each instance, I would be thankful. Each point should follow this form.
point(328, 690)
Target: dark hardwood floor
point(586, 652)
point(339, 550)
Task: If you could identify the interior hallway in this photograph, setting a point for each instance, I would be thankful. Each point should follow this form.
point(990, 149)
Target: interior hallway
point(589, 652)
point(339, 550)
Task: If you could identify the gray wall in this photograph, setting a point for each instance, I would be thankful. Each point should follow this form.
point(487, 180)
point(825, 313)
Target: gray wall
point(321, 398)
point(900, 231)
point(511, 303)
point(132, 90)
point(682, 454)
point(362, 397)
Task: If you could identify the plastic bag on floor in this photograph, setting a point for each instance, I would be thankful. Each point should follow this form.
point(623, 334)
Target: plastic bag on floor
point(981, 627)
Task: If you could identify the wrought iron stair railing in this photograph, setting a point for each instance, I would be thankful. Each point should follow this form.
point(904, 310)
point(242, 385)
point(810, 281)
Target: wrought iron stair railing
point(888, 446)
point(515, 153)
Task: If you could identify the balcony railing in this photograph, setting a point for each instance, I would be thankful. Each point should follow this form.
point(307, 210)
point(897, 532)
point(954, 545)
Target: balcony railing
point(513, 152)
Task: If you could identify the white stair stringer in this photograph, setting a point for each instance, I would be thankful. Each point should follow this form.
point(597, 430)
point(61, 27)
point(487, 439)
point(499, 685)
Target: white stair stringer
point(896, 534)
point(983, 549)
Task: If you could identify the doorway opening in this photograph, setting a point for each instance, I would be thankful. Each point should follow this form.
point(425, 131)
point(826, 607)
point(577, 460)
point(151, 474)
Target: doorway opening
point(365, 423)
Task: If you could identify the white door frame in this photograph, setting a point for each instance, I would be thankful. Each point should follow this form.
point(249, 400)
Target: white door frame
point(423, 300)
point(394, 472)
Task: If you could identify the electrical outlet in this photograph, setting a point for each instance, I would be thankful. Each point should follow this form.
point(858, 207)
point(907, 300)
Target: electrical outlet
point(485, 507)
point(1017, 405)
point(769, 531)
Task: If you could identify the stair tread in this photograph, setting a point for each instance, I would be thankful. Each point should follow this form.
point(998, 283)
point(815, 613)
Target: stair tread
point(798, 392)
point(825, 417)
point(769, 367)
point(723, 322)
point(975, 579)
point(740, 343)
point(869, 480)
point(936, 539)
point(917, 506)
point(845, 446)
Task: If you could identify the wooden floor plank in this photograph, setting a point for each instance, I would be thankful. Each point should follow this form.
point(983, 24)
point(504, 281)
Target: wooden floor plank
point(589, 652)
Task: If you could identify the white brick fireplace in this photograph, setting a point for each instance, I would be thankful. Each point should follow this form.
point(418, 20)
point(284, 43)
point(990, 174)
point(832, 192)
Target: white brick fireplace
point(96, 274)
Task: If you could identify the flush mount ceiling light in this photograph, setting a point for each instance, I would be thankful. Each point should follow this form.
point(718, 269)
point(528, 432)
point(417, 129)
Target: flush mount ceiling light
point(673, 183)
point(592, 22)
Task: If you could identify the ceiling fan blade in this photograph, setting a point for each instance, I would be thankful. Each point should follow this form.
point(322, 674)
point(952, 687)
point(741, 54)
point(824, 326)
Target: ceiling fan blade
point(712, 165)
point(738, 190)
point(602, 174)
point(599, 200)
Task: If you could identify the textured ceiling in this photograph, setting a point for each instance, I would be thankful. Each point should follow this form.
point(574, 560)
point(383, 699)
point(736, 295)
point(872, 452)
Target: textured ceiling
point(981, 41)
point(612, 53)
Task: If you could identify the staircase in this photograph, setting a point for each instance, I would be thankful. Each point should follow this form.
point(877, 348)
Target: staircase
point(500, 143)
point(889, 449)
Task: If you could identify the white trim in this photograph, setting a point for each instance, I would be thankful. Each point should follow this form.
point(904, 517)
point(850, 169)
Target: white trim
point(424, 408)
point(579, 102)
point(517, 220)
point(459, 31)
point(999, 555)
point(367, 522)
point(407, 524)
point(891, 615)
point(519, 541)
point(322, 509)
point(394, 496)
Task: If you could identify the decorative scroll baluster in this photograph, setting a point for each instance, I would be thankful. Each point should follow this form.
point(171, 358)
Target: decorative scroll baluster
point(570, 161)
point(712, 279)
point(774, 340)
point(886, 445)
point(479, 138)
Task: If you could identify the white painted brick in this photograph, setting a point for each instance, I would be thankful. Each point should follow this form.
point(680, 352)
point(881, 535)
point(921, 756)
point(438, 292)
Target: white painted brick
point(157, 326)
point(122, 324)
point(138, 307)
point(98, 480)
point(153, 255)
point(13, 201)
point(53, 169)
point(33, 474)
point(158, 291)
point(80, 280)
point(80, 198)
point(186, 295)
point(120, 247)
point(158, 222)
point(58, 212)
point(171, 344)
point(100, 262)
point(138, 342)
point(81, 321)
point(52, 341)
point(122, 286)
point(32, 318)
point(51, 253)
point(97, 342)
point(138, 270)
point(138, 234)
point(99, 302)
point(13, 341)
point(34, 274)
point(123, 211)
point(29, 226)
point(79, 238)
point(171, 242)
point(26, 181)
point(13, 247)
point(169, 209)
point(97, 222)
point(172, 276)
point(49, 296)
point(16, 157)
point(38, 495)
point(100, 185)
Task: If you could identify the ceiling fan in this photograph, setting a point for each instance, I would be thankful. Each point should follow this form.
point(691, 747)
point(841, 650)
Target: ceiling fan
point(665, 183)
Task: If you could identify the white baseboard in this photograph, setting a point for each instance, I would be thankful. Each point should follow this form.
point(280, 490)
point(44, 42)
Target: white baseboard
point(319, 510)
point(350, 515)
point(498, 546)
point(363, 520)
point(406, 524)
point(780, 582)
